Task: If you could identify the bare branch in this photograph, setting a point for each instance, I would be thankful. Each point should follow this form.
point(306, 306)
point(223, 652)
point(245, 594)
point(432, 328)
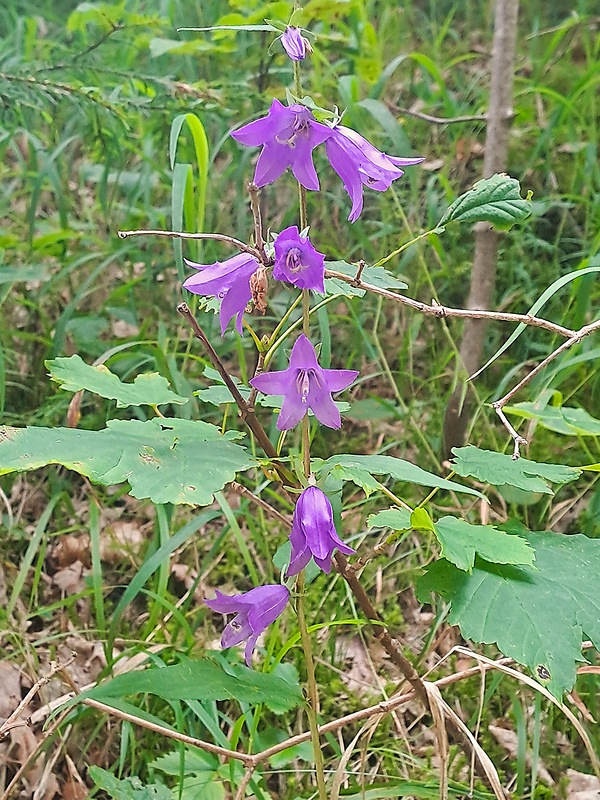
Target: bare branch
point(499, 404)
point(440, 120)
point(221, 237)
point(437, 310)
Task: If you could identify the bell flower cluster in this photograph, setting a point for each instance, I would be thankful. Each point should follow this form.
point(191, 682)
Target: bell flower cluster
point(313, 536)
point(288, 136)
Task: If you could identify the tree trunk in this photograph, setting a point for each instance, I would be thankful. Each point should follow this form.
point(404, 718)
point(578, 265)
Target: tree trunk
point(483, 273)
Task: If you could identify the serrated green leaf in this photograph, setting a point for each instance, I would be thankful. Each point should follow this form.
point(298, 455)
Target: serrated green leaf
point(206, 680)
point(166, 460)
point(497, 200)
point(398, 519)
point(460, 542)
point(151, 389)
point(539, 615)
point(359, 476)
point(565, 420)
point(200, 770)
point(376, 276)
point(128, 788)
point(350, 466)
point(499, 469)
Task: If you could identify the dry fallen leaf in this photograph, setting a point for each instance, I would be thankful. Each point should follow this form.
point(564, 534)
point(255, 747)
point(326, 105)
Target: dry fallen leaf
point(120, 541)
point(582, 786)
point(508, 739)
point(70, 579)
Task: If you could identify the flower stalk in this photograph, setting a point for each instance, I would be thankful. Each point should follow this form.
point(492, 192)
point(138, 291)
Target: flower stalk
point(313, 695)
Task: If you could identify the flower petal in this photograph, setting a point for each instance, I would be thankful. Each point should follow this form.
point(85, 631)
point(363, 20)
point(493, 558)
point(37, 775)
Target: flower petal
point(303, 354)
point(236, 631)
point(292, 411)
point(339, 379)
point(347, 171)
point(273, 161)
point(321, 404)
point(234, 303)
point(278, 382)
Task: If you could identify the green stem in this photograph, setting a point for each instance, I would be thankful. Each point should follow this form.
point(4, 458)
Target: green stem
point(313, 696)
point(283, 320)
point(274, 347)
point(397, 252)
point(394, 498)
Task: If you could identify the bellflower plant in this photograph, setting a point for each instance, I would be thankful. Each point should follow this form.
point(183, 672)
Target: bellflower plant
point(288, 135)
point(297, 261)
point(230, 281)
point(255, 611)
point(305, 384)
point(313, 532)
point(359, 163)
point(294, 44)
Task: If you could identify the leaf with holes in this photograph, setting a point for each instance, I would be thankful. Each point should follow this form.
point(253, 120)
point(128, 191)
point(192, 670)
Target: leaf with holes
point(497, 200)
point(167, 460)
point(149, 389)
point(500, 469)
point(539, 615)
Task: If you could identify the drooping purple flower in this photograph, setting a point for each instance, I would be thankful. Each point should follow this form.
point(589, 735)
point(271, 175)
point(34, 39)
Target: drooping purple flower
point(305, 384)
point(297, 261)
point(294, 44)
point(313, 532)
point(230, 281)
point(359, 163)
point(254, 612)
point(288, 135)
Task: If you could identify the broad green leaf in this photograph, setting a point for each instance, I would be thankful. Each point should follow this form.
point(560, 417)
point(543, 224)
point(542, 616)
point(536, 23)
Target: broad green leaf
point(499, 469)
point(167, 460)
point(398, 519)
point(569, 421)
point(460, 542)
point(218, 394)
point(376, 276)
point(539, 615)
point(128, 788)
point(200, 770)
point(360, 470)
point(497, 200)
point(206, 680)
point(151, 389)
